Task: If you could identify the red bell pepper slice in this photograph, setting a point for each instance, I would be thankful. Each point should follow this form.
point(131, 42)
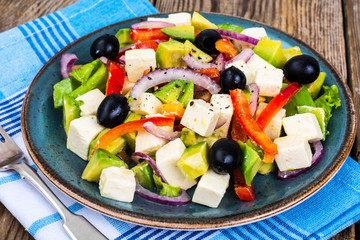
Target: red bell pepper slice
point(227, 48)
point(129, 127)
point(244, 191)
point(116, 78)
point(278, 102)
point(237, 132)
point(213, 73)
point(248, 123)
point(147, 34)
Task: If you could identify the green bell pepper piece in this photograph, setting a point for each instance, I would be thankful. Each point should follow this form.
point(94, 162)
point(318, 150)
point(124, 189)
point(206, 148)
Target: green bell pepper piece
point(301, 98)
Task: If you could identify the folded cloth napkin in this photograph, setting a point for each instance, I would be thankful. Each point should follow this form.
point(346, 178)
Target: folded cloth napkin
point(23, 51)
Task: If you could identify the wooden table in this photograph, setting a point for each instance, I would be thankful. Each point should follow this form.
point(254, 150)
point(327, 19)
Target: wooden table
point(331, 27)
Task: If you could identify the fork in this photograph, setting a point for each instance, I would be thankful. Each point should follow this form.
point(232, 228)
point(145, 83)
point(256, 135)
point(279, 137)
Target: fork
point(77, 227)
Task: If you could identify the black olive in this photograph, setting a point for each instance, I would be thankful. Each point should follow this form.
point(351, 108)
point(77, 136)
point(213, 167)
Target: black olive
point(302, 69)
point(206, 40)
point(232, 78)
point(112, 110)
point(225, 155)
point(107, 45)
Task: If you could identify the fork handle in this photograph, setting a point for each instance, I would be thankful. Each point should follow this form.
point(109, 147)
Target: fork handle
point(76, 226)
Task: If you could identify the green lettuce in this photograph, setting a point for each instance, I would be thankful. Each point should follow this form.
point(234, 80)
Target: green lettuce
point(165, 189)
point(329, 100)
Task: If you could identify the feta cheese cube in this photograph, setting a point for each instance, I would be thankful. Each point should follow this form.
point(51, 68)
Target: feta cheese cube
point(269, 81)
point(255, 32)
point(293, 152)
point(137, 61)
point(180, 19)
point(250, 76)
point(146, 104)
point(273, 130)
point(200, 117)
point(166, 158)
point(211, 189)
point(158, 19)
point(81, 132)
point(223, 103)
point(117, 183)
point(147, 143)
point(305, 125)
point(90, 102)
point(256, 62)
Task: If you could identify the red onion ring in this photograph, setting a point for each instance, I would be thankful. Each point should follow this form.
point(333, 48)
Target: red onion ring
point(103, 59)
point(182, 199)
point(67, 61)
point(219, 61)
point(221, 122)
point(244, 55)
point(254, 97)
point(165, 75)
point(151, 24)
point(159, 132)
point(240, 41)
point(139, 155)
point(319, 151)
point(121, 59)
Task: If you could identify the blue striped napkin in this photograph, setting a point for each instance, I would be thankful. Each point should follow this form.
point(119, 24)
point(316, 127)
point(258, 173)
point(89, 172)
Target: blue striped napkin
point(24, 50)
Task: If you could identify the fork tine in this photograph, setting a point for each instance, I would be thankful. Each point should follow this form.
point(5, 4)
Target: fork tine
point(9, 151)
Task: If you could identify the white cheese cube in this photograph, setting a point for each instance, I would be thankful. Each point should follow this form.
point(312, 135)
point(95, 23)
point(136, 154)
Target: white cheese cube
point(269, 81)
point(118, 184)
point(137, 61)
point(158, 19)
point(294, 152)
point(146, 104)
point(180, 19)
point(166, 158)
point(81, 132)
point(147, 143)
point(211, 189)
point(250, 76)
point(223, 103)
point(305, 125)
point(255, 32)
point(256, 62)
point(200, 117)
point(90, 102)
point(273, 130)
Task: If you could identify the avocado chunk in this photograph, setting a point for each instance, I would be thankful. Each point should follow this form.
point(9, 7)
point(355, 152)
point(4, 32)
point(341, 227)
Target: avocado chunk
point(187, 93)
point(198, 53)
point(170, 53)
point(193, 162)
point(165, 189)
point(301, 98)
point(183, 32)
point(114, 147)
point(267, 168)
point(71, 111)
point(200, 23)
point(100, 160)
point(130, 137)
point(144, 174)
point(291, 52)
point(315, 87)
point(170, 92)
point(123, 35)
point(250, 164)
point(83, 73)
point(96, 80)
point(231, 27)
point(270, 51)
point(190, 138)
point(63, 87)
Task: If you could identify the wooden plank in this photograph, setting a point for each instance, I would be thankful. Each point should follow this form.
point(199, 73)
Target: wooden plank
point(319, 23)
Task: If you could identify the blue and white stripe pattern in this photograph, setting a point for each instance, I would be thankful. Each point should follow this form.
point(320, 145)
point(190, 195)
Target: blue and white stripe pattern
point(330, 210)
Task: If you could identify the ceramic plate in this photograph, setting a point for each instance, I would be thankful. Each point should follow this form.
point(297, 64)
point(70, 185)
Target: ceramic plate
point(46, 141)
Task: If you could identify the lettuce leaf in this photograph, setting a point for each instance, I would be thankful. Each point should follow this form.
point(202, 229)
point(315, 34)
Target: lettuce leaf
point(327, 101)
point(165, 189)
